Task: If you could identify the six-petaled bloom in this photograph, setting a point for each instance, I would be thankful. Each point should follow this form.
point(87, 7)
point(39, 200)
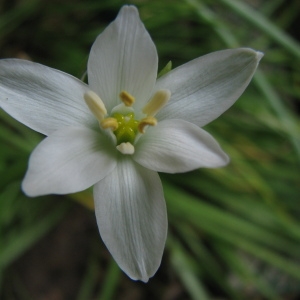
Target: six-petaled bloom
point(122, 128)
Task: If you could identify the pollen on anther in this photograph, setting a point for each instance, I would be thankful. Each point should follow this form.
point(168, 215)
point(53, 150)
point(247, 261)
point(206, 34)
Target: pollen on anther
point(110, 123)
point(148, 121)
point(158, 101)
point(126, 148)
point(126, 98)
point(95, 105)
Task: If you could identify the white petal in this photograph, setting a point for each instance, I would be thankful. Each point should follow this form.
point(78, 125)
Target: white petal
point(132, 218)
point(175, 146)
point(42, 98)
point(123, 57)
point(204, 88)
point(68, 161)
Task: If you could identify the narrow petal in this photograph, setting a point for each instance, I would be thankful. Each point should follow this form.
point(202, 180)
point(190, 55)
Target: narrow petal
point(123, 57)
point(42, 98)
point(175, 146)
point(68, 161)
point(204, 88)
point(132, 218)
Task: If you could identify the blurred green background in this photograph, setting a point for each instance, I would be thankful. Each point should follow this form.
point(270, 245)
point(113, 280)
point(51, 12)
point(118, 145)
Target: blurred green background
point(234, 233)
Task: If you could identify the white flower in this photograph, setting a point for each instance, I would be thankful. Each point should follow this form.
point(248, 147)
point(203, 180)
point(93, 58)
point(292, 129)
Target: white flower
point(99, 135)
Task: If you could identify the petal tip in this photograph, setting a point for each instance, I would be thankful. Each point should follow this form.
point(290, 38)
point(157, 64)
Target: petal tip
point(222, 160)
point(259, 55)
point(226, 160)
point(143, 275)
point(26, 188)
point(128, 9)
point(144, 278)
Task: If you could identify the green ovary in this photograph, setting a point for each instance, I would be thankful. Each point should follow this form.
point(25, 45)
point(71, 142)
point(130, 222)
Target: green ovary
point(127, 128)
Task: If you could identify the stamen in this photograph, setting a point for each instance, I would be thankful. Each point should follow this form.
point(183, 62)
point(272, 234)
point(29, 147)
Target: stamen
point(158, 101)
point(126, 98)
point(126, 148)
point(95, 105)
point(148, 121)
point(111, 123)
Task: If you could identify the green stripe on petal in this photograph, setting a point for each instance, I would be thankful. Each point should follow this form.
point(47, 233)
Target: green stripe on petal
point(123, 57)
point(132, 218)
point(176, 146)
point(204, 88)
point(68, 161)
point(43, 98)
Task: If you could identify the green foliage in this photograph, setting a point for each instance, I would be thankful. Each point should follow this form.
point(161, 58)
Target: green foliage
point(165, 70)
point(234, 232)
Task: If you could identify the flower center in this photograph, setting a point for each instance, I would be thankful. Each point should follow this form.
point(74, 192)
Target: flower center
point(127, 128)
point(122, 123)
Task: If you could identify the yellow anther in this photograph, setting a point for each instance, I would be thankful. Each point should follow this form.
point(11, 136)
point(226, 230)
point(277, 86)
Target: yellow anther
point(158, 101)
point(111, 123)
point(126, 98)
point(126, 148)
point(95, 105)
point(148, 121)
